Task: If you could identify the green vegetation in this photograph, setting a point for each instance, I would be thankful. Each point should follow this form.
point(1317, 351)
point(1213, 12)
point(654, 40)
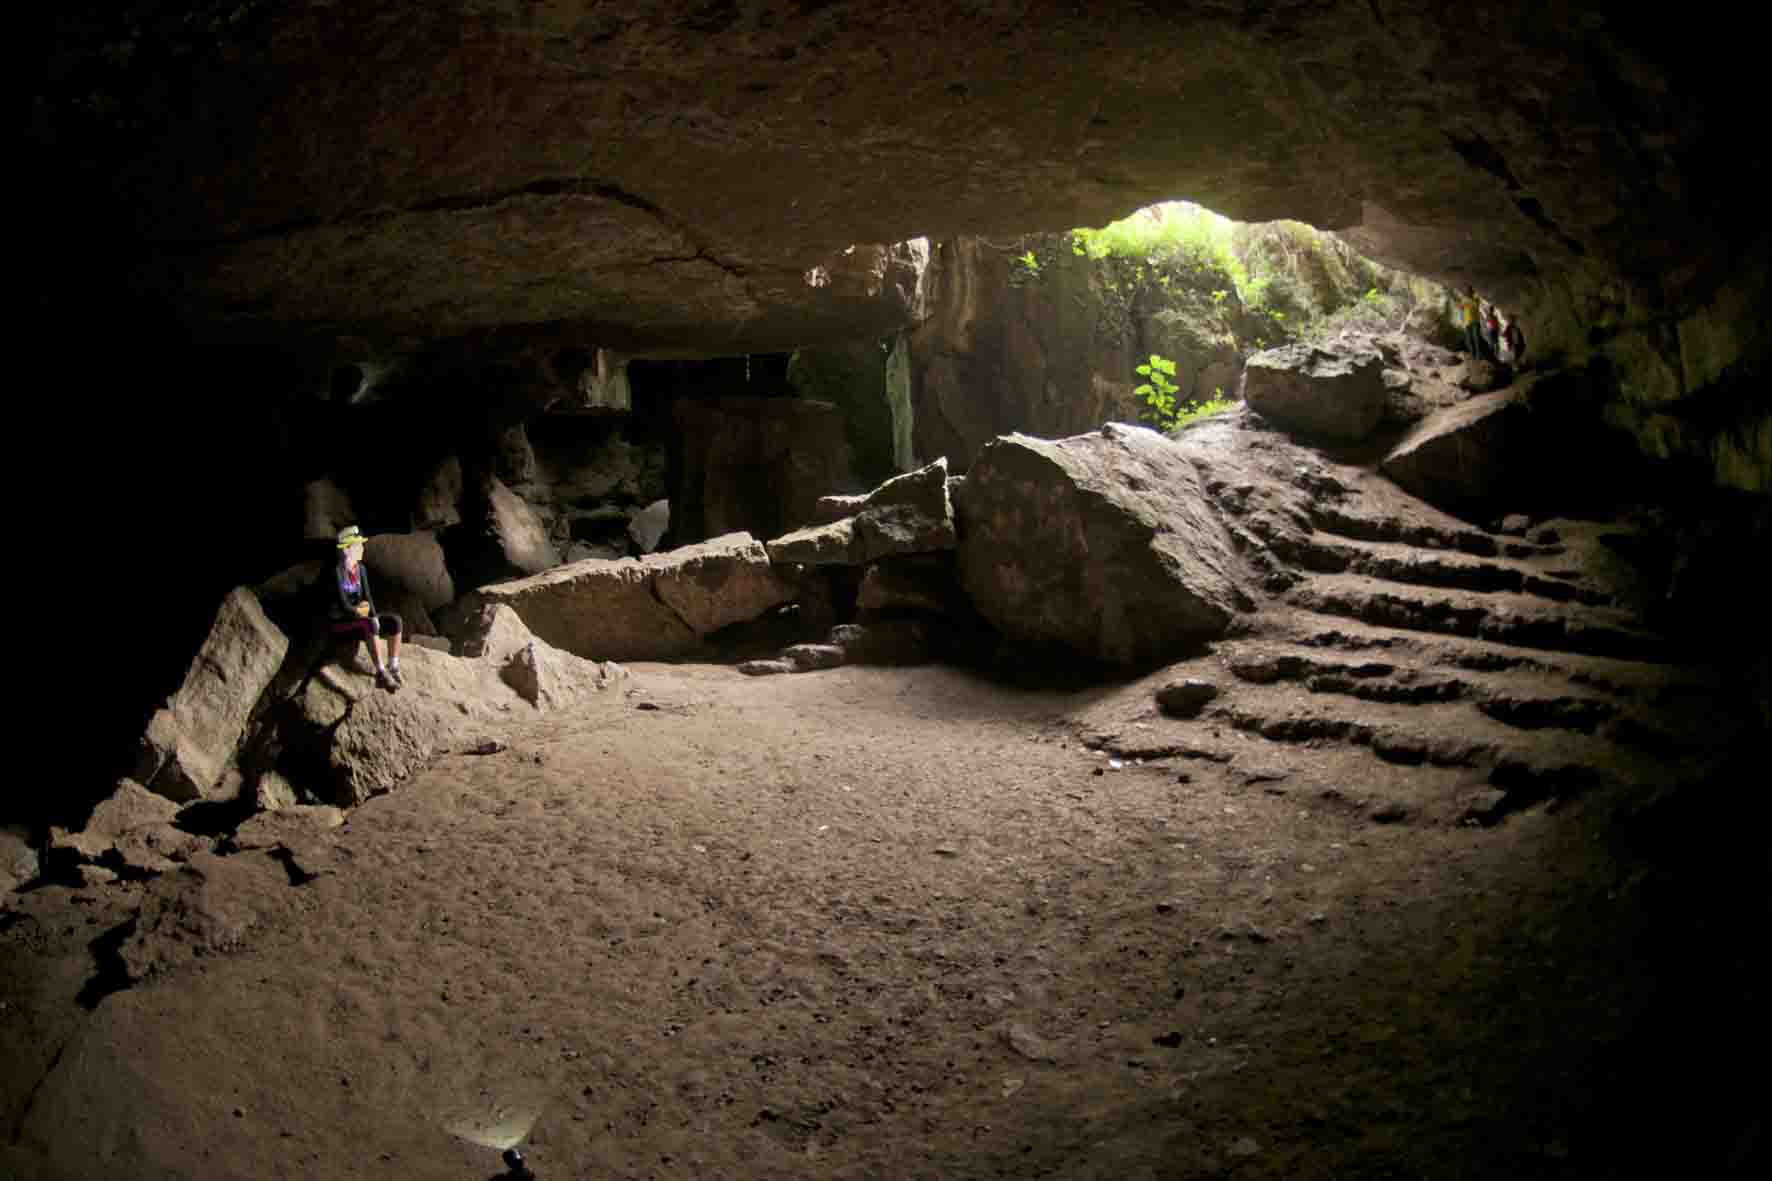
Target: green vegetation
point(1299, 281)
point(1158, 391)
point(1195, 411)
point(1174, 234)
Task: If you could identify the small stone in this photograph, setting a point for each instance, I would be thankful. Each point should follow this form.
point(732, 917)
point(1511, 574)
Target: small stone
point(765, 668)
point(1245, 1147)
point(1186, 698)
point(1390, 812)
point(812, 657)
point(1165, 907)
point(946, 851)
point(1028, 1044)
point(1169, 1041)
point(95, 875)
point(1099, 771)
point(1515, 523)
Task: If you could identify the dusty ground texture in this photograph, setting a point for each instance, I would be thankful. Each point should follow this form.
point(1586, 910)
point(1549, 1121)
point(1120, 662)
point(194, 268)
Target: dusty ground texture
point(864, 923)
point(1460, 875)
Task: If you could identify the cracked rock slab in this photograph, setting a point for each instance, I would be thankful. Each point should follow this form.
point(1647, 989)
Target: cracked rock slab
point(654, 608)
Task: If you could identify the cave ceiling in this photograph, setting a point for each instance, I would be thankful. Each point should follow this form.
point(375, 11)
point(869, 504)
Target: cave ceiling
point(666, 176)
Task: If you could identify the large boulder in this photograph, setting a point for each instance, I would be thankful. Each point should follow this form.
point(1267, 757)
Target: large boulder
point(648, 526)
point(438, 504)
point(345, 740)
point(513, 456)
point(1321, 393)
point(515, 536)
point(1463, 458)
point(18, 860)
point(908, 514)
point(325, 510)
point(658, 607)
point(409, 563)
point(191, 742)
point(1100, 547)
point(130, 830)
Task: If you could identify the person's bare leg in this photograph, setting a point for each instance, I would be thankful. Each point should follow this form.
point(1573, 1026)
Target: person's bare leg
point(394, 648)
point(374, 645)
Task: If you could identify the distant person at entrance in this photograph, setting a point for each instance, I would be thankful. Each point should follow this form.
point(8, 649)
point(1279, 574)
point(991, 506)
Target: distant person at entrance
point(353, 610)
point(1513, 340)
point(1470, 319)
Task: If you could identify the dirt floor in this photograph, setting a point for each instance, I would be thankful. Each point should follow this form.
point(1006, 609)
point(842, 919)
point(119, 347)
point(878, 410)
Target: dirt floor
point(881, 923)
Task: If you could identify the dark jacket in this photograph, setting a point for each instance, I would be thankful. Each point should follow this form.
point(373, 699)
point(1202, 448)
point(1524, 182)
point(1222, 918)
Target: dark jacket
point(345, 601)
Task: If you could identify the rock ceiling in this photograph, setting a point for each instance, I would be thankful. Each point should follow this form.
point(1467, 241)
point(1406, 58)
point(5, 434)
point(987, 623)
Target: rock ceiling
point(667, 175)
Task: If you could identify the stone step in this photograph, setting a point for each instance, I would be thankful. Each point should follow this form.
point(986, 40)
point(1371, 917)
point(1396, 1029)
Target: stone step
point(1412, 565)
point(1523, 699)
point(1648, 682)
point(1362, 523)
point(1518, 620)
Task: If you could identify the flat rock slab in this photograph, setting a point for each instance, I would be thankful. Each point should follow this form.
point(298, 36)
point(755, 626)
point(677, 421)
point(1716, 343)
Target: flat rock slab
point(654, 608)
point(811, 657)
point(767, 668)
point(1104, 546)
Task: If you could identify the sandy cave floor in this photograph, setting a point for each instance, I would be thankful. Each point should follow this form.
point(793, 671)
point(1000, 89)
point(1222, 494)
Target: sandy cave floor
point(863, 923)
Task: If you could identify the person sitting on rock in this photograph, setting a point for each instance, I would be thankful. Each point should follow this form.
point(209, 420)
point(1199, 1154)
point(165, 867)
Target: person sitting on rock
point(353, 610)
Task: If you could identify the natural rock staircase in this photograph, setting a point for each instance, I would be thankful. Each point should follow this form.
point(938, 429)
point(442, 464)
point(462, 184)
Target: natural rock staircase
point(1434, 671)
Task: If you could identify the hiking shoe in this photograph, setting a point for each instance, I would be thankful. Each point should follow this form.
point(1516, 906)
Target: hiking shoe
point(394, 674)
point(386, 681)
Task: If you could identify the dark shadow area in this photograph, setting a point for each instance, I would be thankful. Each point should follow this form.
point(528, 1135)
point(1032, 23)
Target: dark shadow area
point(109, 972)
